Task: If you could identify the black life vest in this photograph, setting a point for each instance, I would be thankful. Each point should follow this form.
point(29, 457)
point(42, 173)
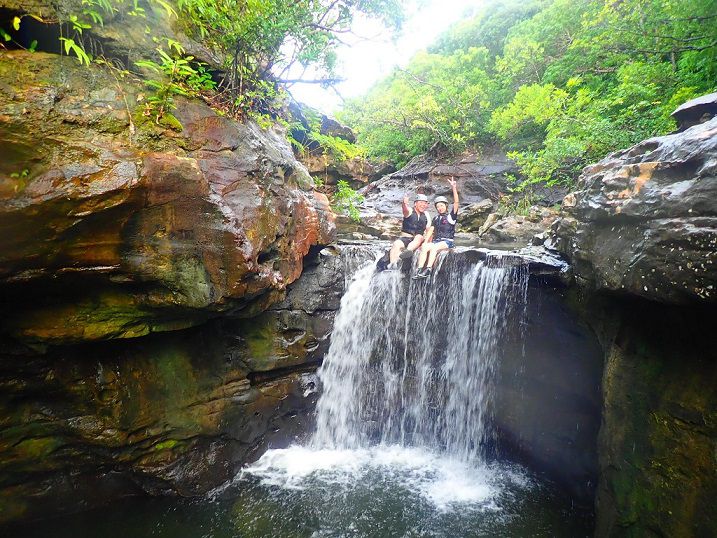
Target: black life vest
point(414, 223)
point(444, 226)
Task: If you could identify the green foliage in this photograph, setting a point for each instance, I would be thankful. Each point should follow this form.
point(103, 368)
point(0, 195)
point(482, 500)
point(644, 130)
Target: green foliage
point(177, 75)
point(334, 146)
point(560, 83)
point(346, 200)
point(78, 50)
point(444, 99)
point(338, 148)
point(20, 175)
point(258, 38)
point(21, 178)
point(520, 204)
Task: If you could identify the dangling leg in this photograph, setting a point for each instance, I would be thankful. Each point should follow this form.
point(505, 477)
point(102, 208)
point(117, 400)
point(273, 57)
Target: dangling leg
point(437, 247)
point(416, 242)
point(423, 256)
point(396, 249)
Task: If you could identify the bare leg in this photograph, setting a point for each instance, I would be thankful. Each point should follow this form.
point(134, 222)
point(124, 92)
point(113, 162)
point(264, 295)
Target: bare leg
point(425, 251)
point(417, 241)
point(396, 249)
point(437, 247)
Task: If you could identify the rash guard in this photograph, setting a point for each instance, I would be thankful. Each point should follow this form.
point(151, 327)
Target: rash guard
point(415, 223)
point(444, 226)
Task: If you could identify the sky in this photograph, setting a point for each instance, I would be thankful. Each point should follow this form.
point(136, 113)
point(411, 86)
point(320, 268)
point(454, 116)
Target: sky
point(372, 54)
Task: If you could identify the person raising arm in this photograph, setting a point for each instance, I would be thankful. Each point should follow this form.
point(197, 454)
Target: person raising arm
point(416, 220)
point(443, 231)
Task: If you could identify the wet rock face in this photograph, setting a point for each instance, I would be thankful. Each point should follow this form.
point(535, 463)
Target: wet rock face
point(175, 413)
point(657, 442)
point(114, 229)
point(547, 398)
point(112, 232)
point(296, 330)
point(644, 221)
point(172, 413)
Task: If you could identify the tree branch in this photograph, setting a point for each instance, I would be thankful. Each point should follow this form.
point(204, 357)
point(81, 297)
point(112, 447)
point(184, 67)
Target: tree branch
point(311, 81)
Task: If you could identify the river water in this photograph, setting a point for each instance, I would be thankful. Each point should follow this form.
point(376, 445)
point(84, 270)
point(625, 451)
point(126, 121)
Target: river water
point(403, 445)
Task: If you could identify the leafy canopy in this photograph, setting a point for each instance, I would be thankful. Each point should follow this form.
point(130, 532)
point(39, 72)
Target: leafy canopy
point(559, 83)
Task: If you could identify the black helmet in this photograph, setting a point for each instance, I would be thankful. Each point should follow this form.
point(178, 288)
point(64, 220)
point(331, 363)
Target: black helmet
point(440, 199)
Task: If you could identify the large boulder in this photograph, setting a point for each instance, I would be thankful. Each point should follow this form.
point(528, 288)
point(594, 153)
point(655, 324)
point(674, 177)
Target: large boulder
point(332, 127)
point(112, 231)
point(517, 229)
point(644, 220)
point(479, 177)
point(328, 170)
point(696, 111)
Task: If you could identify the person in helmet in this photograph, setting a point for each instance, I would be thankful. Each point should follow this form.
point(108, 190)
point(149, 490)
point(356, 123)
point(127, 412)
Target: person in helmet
point(441, 235)
point(416, 222)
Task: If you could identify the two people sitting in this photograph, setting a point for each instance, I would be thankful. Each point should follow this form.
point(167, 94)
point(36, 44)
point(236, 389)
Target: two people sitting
point(440, 234)
point(418, 230)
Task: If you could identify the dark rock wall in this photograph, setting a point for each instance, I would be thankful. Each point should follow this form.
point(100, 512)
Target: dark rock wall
point(658, 441)
point(548, 400)
point(172, 413)
point(641, 235)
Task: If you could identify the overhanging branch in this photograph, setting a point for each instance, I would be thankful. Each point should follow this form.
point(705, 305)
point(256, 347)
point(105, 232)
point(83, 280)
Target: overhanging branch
point(311, 81)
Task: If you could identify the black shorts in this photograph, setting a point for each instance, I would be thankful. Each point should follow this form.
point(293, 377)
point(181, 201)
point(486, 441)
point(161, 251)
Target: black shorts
point(406, 241)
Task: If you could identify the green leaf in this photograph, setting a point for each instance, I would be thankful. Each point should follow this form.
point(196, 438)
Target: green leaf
point(167, 8)
point(16, 23)
point(33, 45)
point(68, 44)
point(148, 64)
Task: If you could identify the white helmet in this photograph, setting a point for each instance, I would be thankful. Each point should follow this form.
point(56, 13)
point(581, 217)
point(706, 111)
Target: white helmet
point(440, 199)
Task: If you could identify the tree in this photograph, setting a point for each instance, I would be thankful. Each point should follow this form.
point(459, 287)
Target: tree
point(260, 40)
point(559, 83)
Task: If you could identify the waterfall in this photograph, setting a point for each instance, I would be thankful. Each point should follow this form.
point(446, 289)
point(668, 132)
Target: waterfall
point(412, 362)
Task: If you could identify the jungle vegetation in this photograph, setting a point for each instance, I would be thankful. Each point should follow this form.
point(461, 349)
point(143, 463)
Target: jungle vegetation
point(558, 83)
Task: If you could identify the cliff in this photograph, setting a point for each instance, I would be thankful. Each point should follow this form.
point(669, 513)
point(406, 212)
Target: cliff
point(640, 233)
point(131, 254)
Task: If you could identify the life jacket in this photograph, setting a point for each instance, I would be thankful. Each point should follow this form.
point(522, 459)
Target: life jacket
point(414, 223)
point(444, 226)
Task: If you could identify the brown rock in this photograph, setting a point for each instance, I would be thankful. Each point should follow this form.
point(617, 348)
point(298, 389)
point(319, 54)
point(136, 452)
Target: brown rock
point(644, 220)
point(109, 236)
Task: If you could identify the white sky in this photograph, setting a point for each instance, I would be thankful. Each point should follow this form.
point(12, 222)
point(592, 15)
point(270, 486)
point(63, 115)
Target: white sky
point(364, 61)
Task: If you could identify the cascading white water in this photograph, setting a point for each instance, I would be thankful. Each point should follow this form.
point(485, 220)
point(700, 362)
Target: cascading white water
point(412, 362)
point(404, 418)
